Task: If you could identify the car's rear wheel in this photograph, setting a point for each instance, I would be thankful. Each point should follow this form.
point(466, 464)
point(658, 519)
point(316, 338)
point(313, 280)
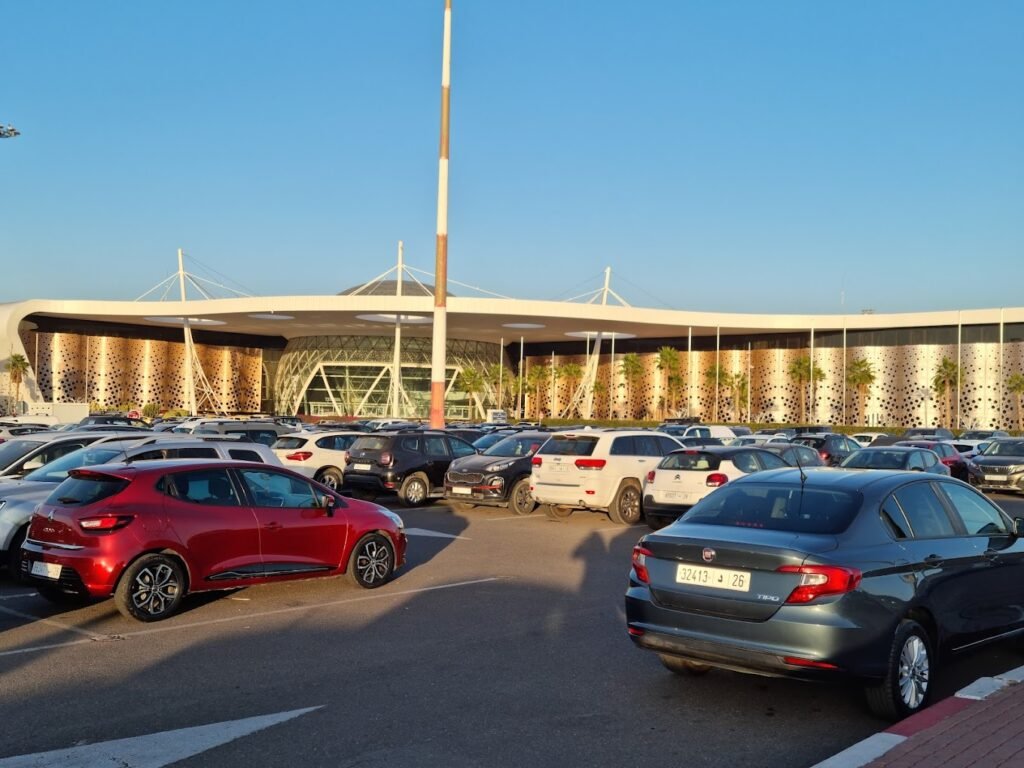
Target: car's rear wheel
point(330, 477)
point(556, 513)
point(683, 666)
point(906, 687)
point(519, 500)
point(625, 507)
point(372, 561)
point(151, 588)
point(413, 491)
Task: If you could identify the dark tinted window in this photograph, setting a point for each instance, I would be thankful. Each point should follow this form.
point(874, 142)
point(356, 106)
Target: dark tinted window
point(874, 458)
point(745, 462)
point(623, 446)
point(771, 461)
point(647, 445)
point(978, 514)
point(371, 443)
point(460, 448)
point(569, 446)
point(211, 487)
point(291, 443)
point(666, 445)
point(192, 452)
point(436, 446)
point(86, 489)
point(242, 454)
point(747, 505)
point(410, 444)
point(894, 520)
point(927, 516)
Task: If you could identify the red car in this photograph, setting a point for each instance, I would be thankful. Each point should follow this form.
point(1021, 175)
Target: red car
point(150, 533)
point(948, 455)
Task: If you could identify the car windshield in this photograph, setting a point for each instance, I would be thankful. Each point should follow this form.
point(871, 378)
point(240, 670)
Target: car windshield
point(875, 460)
point(777, 508)
point(57, 470)
point(13, 450)
point(515, 446)
point(1005, 448)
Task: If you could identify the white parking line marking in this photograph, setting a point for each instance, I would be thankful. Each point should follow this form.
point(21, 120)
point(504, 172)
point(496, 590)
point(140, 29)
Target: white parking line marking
point(241, 617)
point(52, 623)
point(152, 750)
point(18, 596)
point(435, 534)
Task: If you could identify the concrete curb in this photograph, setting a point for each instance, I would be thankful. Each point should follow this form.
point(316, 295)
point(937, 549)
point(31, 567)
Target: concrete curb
point(873, 747)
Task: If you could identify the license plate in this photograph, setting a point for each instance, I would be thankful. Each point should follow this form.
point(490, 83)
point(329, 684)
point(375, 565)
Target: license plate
point(46, 570)
point(716, 578)
point(461, 491)
point(995, 478)
point(361, 467)
point(559, 467)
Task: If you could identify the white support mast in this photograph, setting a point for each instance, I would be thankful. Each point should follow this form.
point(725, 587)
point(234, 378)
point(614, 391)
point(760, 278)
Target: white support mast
point(396, 360)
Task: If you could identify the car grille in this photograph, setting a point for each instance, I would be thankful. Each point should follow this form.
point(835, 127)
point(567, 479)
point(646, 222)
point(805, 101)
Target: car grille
point(995, 470)
point(465, 477)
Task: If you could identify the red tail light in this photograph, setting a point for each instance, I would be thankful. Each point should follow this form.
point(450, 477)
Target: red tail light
point(590, 463)
point(387, 459)
point(717, 480)
point(650, 476)
point(299, 456)
point(640, 563)
point(536, 461)
point(824, 455)
point(105, 523)
point(820, 580)
point(796, 661)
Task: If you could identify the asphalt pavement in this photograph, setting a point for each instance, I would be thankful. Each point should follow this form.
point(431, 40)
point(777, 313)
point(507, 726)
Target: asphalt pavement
point(502, 643)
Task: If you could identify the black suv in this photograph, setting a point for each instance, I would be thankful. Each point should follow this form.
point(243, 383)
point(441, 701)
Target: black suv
point(500, 476)
point(411, 463)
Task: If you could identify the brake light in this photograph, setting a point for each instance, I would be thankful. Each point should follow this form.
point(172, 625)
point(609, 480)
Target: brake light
point(106, 523)
point(590, 463)
point(299, 456)
point(650, 476)
point(824, 455)
point(640, 563)
point(820, 580)
point(536, 461)
point(387, 459)
point(717, 480)
point(796, 661)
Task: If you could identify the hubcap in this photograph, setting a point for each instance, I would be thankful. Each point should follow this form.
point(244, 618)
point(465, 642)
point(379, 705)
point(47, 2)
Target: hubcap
point(154, 589)
point(373, 563)
point(630, 504)
point(913, 675)
point(416, 492)
point(330, 481)
point(522, 497)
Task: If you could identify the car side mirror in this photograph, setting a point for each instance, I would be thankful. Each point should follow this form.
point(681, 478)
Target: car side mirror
point(327, 503)
point(1018, 527)
point(30, 465)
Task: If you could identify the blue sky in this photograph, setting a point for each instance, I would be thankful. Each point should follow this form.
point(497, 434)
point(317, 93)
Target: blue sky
point(738, 156)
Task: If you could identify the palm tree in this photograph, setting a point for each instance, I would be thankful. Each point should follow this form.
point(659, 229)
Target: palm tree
point(667, 361)
point(571, 373)
point(472, 384)
point(718, 379)
point(17, 367)
point(676, 385)
point(632, 369)
point(600, 390)
point(739, 385)
point(860, 375)
point(947, 374)
point(1015, 385)
point(799, 372)
point(536, 378)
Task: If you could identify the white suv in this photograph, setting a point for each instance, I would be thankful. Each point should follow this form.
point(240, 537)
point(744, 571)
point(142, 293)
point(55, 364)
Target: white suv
point(319, 455)
point(599, 469)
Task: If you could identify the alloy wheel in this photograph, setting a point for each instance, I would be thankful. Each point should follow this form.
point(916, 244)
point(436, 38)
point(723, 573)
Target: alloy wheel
point(913, 672)
point(155, 588)
point(373, 562)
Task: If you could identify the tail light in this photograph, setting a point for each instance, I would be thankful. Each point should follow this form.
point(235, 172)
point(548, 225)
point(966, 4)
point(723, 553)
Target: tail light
point(105, 523)
point(348, 458)
point(299, 456)
point(820, 580)
point(824, 455)
point(797, 661)
point(650, 476)
point(387, 459)
point(590, 463)
point(536, 461)
point(717, 480)
point(640, 554)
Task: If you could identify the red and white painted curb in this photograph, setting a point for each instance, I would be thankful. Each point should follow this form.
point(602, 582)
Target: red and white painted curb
point(873, 747)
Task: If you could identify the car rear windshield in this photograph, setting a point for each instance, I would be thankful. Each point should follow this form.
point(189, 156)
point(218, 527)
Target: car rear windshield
point(789, 508)
point(378, 443)
point(289, 443)
point(569, 445)
point(874, 459)
point(698, 461)
point(58, 469)
point(81, 490)
point(515, 446)
point(13, 450)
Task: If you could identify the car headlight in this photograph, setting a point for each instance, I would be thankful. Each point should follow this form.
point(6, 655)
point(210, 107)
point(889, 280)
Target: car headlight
point(393, 517)
point(1015, 469)
point(497, 467)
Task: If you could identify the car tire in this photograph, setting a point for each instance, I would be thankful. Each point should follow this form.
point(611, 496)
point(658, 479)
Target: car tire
point(151, 588)
point(330, 477)
point(519, 500)
point(414, 491)
point(906, 687)
point(372, 562)
point(556, 513)
point(15, 557)
point(625, 508)
point(683, 666)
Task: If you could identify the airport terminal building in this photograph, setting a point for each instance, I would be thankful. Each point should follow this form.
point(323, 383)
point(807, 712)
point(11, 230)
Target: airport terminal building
point(366, 352)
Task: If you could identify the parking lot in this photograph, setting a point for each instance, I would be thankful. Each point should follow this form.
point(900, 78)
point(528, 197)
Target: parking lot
point(501, 642)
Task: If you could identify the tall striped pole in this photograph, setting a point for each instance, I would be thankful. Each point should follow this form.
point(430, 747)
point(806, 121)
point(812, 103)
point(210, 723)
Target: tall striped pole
point(439, 348)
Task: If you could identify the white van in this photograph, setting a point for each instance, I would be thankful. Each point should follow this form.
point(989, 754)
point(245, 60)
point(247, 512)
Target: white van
point(725, 434)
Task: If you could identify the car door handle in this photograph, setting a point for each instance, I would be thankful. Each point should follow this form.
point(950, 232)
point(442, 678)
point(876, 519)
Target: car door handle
point(934, 560)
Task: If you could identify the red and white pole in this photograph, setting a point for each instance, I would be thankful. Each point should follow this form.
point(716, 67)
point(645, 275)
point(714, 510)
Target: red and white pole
point(440, 341)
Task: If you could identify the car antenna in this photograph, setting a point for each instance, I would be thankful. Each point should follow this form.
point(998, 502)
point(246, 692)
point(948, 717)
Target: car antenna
point(803, 475)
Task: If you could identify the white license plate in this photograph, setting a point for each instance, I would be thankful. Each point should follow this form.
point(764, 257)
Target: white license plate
point(716, 578)
point(559, 467)
point(461, 491)
point(361, 467)
point(46, 570)
point(995, 478)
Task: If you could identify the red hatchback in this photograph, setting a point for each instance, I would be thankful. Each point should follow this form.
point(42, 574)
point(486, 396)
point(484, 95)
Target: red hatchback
point(150, 533)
